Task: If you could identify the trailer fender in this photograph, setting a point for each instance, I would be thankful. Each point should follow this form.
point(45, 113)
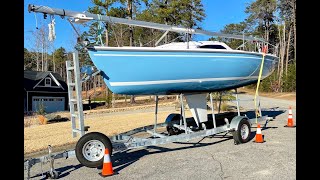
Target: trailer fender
point(241, 129)
point(235, 122)
point(172, 117)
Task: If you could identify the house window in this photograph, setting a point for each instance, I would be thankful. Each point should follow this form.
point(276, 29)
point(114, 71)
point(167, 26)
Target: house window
point(47, 82)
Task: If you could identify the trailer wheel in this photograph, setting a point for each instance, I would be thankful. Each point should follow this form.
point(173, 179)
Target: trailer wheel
point(172, 130)
point(54, 175)
point(242, 134)
point(91, 147)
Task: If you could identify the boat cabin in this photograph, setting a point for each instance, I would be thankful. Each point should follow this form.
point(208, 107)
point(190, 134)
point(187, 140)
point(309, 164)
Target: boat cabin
point(197, 45)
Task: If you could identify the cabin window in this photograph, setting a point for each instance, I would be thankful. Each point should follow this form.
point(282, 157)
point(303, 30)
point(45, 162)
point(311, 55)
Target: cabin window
point(47, 82)
point(213, 47)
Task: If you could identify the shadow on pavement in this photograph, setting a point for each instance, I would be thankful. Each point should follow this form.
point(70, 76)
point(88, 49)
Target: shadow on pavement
point(63, 171)
point(272, 112)
point(124, 159)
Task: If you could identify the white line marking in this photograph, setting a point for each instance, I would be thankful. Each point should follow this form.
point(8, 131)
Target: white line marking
point(137, 83)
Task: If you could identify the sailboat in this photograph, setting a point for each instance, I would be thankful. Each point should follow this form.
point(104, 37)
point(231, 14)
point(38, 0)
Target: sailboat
point(205, 66)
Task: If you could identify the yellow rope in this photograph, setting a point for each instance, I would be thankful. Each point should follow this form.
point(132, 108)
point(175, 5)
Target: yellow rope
point(258, 83)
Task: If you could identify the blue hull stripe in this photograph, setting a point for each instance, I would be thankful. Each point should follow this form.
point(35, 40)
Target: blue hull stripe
point(138, 83)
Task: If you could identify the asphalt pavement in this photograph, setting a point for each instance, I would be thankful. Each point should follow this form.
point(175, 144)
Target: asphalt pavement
point(209, 158)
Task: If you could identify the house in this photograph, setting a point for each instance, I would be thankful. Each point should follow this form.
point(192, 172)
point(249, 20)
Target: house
point(45, 90)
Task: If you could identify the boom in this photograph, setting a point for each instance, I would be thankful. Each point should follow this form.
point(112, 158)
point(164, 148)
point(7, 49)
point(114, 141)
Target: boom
point(84, 16)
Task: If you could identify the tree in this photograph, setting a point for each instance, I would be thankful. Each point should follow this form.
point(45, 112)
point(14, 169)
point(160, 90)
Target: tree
point(40, 47)
point(192, 13)
point(261, 13)
point(37, 44)
point(102, 8)
point(129, 8)
point(278, 30)
point(163, 11)
point(287, 42)
point(287, 12)
point(28, 60)
point(186, 13)
point(60, 56)
point(233, 28)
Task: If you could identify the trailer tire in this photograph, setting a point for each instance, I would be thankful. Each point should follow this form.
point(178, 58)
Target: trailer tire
point(92, 157)
point(242, 134)
point(54, 175)
point(172, 130)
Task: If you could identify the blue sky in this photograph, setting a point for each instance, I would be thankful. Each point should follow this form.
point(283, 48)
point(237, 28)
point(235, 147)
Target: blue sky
point(218, 14)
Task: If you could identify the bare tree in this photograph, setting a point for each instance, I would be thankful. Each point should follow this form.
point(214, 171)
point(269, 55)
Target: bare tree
point(54, 63)
point(294, 5)
point(129, 8)
point(35, 48)
point(282, 51)
point(40, 43)
point(288, 48)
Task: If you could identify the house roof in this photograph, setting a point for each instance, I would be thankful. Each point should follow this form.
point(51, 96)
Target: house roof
point(31, 79)
point(37, 75)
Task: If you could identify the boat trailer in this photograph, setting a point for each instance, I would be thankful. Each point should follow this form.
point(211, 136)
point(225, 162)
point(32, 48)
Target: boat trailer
point(179, 128)
point(90, 147)
point(125, 141)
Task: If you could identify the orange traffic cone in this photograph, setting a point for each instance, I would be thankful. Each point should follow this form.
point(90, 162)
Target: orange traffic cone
point(259, 138)
point(290, 119)
point(107, 169)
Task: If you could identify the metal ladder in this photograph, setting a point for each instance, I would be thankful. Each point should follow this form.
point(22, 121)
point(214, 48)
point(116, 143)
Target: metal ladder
point(75, 100)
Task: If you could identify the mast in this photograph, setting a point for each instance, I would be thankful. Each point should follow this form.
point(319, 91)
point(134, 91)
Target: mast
point(85, 16)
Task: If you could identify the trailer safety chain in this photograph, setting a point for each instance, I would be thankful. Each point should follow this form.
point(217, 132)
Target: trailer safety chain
point(264, 50)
